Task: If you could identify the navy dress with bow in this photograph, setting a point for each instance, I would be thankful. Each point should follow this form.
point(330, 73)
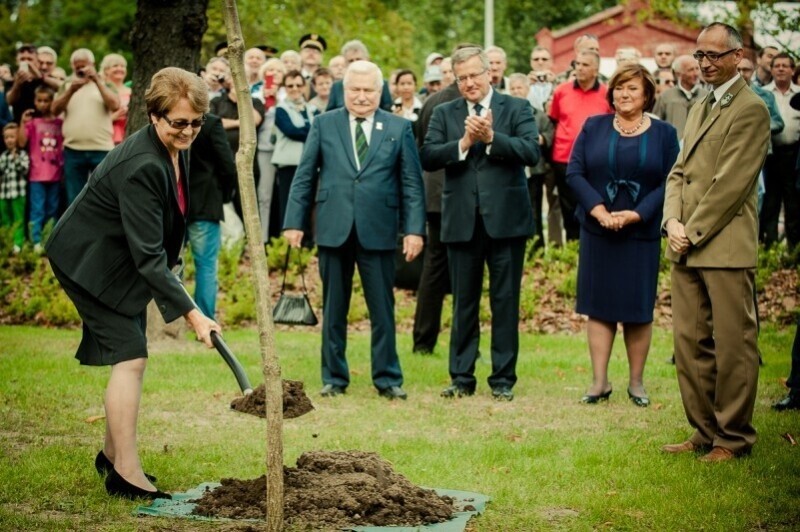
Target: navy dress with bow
point(618, 270)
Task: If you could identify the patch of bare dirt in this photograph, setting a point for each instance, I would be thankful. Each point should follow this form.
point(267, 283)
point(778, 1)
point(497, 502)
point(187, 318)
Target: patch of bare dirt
point(333, 490)
point(295, 401)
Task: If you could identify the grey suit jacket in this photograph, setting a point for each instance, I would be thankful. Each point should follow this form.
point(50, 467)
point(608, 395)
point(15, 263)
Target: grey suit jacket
point(381, 199)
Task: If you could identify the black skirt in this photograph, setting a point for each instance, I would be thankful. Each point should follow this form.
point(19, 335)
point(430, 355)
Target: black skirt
point(617, 277)
point(108, 336)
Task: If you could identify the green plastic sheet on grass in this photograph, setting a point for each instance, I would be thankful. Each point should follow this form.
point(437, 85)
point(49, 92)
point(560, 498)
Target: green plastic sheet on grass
point(182, 505)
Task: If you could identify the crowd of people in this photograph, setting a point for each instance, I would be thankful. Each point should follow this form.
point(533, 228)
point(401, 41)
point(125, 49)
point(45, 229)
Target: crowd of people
point(703, 150)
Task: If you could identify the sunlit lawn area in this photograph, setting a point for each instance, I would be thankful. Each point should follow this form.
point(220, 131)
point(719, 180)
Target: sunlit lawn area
point(546, 461)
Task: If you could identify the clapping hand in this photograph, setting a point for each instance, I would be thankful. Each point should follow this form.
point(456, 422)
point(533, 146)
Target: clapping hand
point(480, 127)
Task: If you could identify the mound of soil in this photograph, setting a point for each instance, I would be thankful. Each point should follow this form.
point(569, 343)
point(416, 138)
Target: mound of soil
point(333, 490)
point(295, 401)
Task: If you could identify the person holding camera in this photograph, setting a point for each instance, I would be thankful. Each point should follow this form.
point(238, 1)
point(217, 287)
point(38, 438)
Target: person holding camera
point(87, 103)
point(27, 78)
point(541, 77)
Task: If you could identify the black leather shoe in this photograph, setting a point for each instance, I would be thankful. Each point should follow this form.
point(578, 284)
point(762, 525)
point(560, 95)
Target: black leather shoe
point(104, 467)
point(393, 392)
point(329, 390)
point(119, 487)
point(502, 393)
point(594, 399)
point(790, 402)
point(454, 390)
point(639, 400)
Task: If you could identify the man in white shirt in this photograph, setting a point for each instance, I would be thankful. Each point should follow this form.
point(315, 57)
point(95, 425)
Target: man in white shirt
point(779, 170)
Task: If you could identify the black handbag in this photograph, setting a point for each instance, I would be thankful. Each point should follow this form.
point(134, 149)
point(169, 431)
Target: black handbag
point(293, 309)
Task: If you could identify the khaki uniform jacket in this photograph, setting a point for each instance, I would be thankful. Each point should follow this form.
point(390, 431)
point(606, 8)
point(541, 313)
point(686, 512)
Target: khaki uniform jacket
point(712, 186)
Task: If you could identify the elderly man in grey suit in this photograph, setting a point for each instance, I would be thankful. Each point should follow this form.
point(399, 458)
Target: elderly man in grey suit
point(711, 222)
point(483, 140)
point(364, 165)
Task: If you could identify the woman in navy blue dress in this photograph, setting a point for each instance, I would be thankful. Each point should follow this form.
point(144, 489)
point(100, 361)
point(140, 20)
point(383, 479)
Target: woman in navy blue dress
point(618, 168)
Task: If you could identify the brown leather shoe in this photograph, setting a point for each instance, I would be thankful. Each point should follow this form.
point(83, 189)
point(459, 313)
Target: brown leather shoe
point(677, 448)
point(718, 454)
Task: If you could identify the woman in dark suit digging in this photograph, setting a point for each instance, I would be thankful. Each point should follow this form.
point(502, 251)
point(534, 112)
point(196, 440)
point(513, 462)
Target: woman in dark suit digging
point(115, 249)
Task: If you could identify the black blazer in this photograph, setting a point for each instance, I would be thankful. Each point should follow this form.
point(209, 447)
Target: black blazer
point(494, 184)
point(124, 232)
point(213, 172)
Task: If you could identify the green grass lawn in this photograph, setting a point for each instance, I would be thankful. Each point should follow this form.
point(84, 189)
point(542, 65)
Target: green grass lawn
point(546, 461)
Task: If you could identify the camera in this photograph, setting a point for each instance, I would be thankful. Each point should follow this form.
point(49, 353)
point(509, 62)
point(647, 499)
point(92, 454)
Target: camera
point(81, 73)
point(541, 76)
point(220, 78)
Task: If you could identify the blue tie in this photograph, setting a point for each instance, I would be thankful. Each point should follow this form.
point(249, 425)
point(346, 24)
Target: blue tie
point(479, 147)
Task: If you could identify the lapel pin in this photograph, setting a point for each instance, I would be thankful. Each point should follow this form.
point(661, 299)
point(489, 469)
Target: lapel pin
point(726, 100)
point(379, 126)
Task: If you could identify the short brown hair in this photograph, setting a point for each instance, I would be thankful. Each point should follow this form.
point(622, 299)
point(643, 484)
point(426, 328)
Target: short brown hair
point(292, 74)
point(10, 126)
point(169, 85)
point(632, 71)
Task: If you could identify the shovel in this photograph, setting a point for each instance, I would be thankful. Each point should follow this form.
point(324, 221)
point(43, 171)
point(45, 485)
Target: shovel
point(222, 348)
point(233, 363)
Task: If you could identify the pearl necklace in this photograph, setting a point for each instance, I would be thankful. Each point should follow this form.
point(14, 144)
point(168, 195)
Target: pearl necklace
point(636, 128)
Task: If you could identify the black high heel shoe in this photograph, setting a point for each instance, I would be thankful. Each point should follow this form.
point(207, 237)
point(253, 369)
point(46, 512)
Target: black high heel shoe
point(119, 487)
point(104, 466)
point(641, 401)
point(594, 399)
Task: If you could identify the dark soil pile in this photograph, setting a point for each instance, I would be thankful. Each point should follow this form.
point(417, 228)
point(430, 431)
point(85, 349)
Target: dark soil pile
point(295, 401)
point(333, 490)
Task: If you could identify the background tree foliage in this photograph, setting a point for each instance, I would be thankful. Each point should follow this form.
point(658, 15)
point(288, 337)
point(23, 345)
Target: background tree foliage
point(398, 33)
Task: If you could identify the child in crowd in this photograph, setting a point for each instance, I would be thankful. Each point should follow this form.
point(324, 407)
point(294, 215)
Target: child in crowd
point(13, 176)
point(41, 132)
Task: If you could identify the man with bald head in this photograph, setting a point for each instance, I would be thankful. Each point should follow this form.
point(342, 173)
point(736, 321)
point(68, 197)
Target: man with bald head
point(573, 102)
point(664, 56)
point(673, 105)
point(360, 169)
point(711, 223)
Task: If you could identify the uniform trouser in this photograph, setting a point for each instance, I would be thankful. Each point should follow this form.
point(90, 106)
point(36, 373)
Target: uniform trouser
point(714, 322)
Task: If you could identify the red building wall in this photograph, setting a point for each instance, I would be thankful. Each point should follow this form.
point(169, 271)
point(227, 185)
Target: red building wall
point(616, 27)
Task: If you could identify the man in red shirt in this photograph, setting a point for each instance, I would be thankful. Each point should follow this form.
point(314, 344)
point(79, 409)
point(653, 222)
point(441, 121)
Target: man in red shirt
point(574, 102)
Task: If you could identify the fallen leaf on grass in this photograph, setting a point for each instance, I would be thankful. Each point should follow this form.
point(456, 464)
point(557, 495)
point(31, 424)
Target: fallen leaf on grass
point(580, 369)
point(788, 437)
point(94, 419)
point(658, 406)
point(513, 437)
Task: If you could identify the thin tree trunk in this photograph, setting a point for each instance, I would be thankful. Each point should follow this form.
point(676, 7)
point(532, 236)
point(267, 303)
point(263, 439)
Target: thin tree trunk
point(252, 225)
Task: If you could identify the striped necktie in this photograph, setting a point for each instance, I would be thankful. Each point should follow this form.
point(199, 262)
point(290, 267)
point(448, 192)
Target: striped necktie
point(361, 142)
